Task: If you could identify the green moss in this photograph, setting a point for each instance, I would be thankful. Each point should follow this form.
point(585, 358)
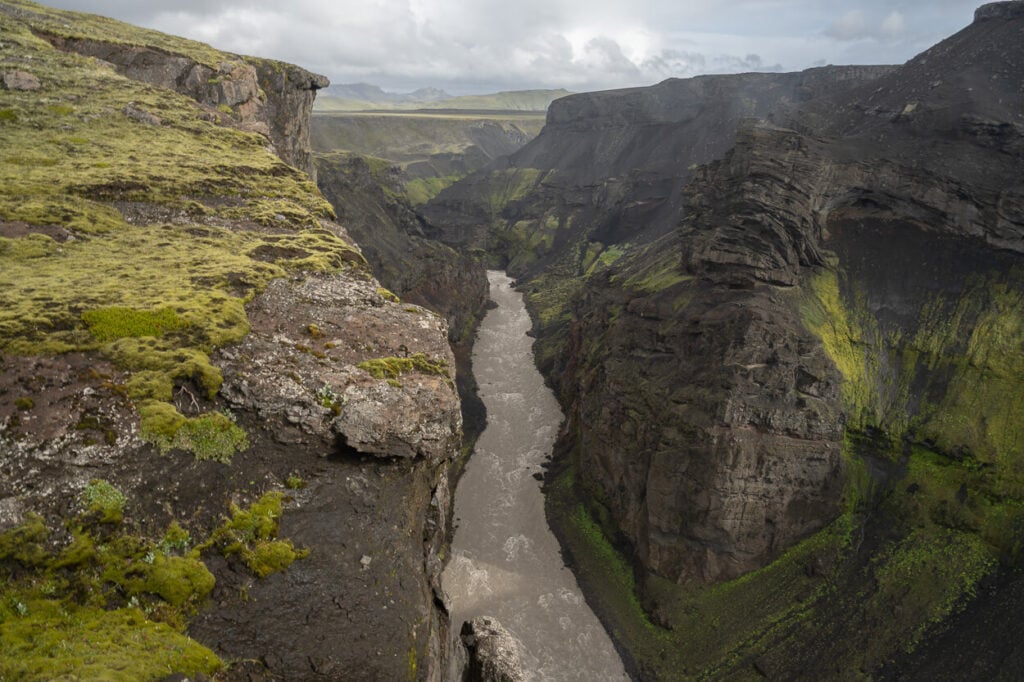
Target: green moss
point(852, 342)
point(388, 295)
point(62, 609)
point(102, 498)
point(177, 580)
point(116, 322)
point(295, 482)
point(710, 625)
point(156, 291)
point(25, 543)
point(394, 367)
point(507, 186)
point(928, 573)
point(411, 658)
point(599, 256)
point(421, 190)
point(964, 360)
point(159, 422)
point(24, 403)
point(48, 639)
point(212, 436)
point(653, 269)
point(175, 538)
point(251, 535)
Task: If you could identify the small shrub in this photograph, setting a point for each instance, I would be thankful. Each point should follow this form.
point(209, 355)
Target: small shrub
point(24, 404)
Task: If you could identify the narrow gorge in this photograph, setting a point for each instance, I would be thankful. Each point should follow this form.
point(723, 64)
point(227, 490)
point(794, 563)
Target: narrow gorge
point(777, 320)
point(505, 564)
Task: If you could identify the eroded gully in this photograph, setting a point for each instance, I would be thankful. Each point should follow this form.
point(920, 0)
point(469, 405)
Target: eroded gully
point(505, 561)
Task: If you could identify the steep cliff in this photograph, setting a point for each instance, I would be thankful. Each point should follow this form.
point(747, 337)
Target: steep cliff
point(225, 446)
point(368, 196)
point(788, 350)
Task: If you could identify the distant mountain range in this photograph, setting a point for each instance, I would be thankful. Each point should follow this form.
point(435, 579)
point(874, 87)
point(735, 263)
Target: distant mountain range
point(363, 96)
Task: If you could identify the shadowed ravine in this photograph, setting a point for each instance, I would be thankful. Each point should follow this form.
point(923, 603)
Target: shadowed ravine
point(505, 561)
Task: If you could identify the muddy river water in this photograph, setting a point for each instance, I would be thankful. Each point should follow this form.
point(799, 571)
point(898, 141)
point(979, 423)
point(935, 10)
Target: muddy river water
point(505, 561)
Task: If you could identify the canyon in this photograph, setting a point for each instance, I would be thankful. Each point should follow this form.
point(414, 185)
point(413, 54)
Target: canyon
point(781, 313)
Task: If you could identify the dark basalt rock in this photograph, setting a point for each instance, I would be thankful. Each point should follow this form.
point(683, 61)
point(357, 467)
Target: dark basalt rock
point(999, 10)
point(834, 265)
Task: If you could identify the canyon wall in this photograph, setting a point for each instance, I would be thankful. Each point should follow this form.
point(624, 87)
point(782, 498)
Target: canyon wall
point(785, 337)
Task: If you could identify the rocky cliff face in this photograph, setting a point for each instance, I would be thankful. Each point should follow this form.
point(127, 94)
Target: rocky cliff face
point(262, 96)
point(801, 363)
point(225, 445)
point(368, 197)
point(608, 166)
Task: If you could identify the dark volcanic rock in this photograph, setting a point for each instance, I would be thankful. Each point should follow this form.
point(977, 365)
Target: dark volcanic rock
point(294, 401)
point(759, 327)
point(611, 164)
point(713, 428)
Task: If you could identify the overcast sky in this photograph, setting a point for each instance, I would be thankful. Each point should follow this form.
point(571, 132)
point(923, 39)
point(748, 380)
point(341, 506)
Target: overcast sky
point(476, 46)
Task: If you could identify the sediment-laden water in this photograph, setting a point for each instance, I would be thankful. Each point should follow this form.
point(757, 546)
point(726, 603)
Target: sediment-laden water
point(505, 561)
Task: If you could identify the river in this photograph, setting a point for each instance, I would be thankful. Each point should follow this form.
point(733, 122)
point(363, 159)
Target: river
point(505, 561)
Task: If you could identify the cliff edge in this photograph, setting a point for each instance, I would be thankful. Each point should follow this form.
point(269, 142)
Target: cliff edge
point(225, 445)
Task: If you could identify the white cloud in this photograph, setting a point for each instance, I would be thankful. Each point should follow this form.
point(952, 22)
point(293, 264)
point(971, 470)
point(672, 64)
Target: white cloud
point(894, 24)
point(477, 45)
point(850, 26)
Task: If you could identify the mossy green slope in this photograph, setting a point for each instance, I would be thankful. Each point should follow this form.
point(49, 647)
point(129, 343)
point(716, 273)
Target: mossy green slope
point(112, 604)
point(139, 238)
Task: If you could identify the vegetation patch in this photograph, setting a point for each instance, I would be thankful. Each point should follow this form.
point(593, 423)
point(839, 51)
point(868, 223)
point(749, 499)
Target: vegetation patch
point(507, 186)
point(212, 436)
point(117, 322)
point(394, 367)
point(421, 190)
point(251, 535)
point(104, 500)
point(112, 604)
point(47, 639)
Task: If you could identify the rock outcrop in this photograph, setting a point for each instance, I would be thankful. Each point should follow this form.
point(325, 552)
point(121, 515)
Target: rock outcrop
point(495, 655)
point(391, 235)
point(262, 96)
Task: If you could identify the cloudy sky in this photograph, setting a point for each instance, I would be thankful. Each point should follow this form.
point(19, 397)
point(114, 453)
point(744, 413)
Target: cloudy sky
point(475, 46)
